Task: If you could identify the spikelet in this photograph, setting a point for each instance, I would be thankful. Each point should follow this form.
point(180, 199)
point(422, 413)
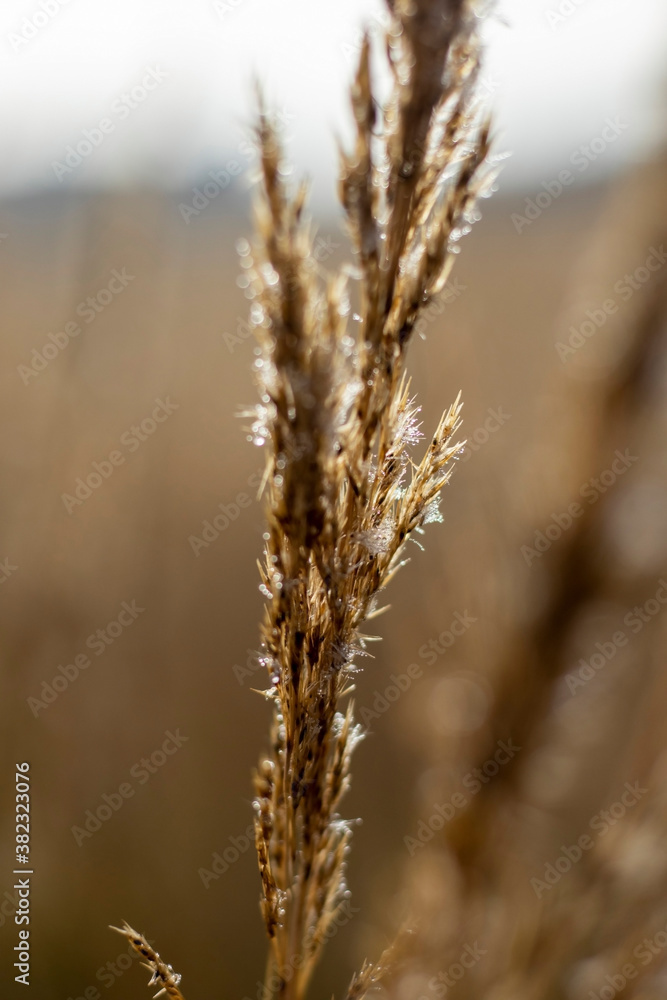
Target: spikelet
point(162, 975)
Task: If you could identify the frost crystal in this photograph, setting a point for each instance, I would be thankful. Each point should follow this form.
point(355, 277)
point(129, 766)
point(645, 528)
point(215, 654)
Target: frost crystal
point(432, 513)
point(378, 540)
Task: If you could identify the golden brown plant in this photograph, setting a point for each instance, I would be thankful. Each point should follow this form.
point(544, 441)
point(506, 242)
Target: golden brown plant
point(344, 494)
point(162, 975)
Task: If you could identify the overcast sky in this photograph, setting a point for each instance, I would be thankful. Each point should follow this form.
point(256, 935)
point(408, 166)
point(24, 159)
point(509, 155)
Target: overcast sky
point(557, 71)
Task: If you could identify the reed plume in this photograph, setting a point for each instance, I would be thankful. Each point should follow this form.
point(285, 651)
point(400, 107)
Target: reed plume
point(344, 494)
point(338, 421)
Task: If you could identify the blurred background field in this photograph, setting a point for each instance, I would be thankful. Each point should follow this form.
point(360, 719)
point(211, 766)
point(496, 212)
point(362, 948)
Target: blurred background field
point(172, 334)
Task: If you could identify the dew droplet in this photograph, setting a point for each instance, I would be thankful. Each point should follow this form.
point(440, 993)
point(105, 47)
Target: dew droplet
point(269, 274)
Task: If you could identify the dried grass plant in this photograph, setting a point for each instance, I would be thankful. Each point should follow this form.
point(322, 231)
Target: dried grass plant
point(344, 493)
point(344, 496)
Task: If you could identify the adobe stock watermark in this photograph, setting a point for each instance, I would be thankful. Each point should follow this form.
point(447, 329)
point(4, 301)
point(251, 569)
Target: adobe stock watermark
point(581, 159)
point(31, 26)
point(383, 699)
point(450, 293)
point(623, 289)
point(213, 527)
point(221, 862)
point(323, 248)
point(92, 138)
point(255, 663)
point(130, 440)
point(141, 772)
point(591, 491)
point(636, 619)
point(399, 683)
point(97, 642)
point(7, 570)
point(108, 973)
point(600, 825)
point(377, 24)
point(434, 648)
point(8, 906)
point(565, 9)
point(440, 985)
point(473, 781)
point(494, 421)
point(87, 310)
point(646, 951)
point(219, 179)
point(225, 7)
